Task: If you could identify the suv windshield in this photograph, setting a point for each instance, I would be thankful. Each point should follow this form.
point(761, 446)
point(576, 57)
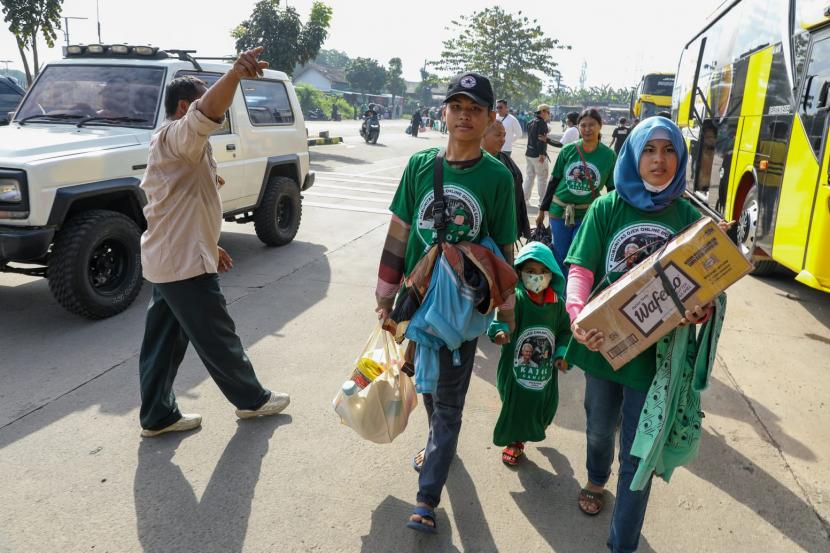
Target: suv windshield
point(126, 96)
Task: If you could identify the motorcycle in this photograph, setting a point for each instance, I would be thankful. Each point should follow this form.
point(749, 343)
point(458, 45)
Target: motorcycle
point(370, 129)
point(316, 114)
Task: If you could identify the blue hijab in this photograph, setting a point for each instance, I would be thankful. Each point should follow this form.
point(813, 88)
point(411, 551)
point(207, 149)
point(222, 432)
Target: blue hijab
point(627, 178)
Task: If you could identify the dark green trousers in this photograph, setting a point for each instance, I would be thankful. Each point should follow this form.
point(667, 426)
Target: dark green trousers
point(192, 311)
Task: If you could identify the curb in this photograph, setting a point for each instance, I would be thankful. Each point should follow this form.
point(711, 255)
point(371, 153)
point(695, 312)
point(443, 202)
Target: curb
point(324, 141)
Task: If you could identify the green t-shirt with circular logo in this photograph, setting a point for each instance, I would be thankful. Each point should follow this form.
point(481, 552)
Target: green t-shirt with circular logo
point(480, 201)
point(576, 177)
point(613, 238)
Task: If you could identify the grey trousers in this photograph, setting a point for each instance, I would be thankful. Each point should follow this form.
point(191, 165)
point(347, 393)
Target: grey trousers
point(192, 311)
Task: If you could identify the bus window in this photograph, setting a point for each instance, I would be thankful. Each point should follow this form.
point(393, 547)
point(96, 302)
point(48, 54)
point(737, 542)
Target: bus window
point(760, 25)
point(818, 73)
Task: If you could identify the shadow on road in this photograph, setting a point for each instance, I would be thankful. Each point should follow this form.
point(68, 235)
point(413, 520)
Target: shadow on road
point(549, 504)
point(171, 518)
point(758, 491)
point(69, 341)
point(388, 531)
point(317, 157)
point(817, 303)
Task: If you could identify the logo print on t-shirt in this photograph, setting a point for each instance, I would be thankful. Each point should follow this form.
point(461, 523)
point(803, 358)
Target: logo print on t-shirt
point(577, 178)
point(634, 243)
point(462, 212)
point(533, 358)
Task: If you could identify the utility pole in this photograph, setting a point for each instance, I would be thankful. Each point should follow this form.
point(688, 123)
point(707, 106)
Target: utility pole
point(66, 26)
point(98, 19)
point(583, 74)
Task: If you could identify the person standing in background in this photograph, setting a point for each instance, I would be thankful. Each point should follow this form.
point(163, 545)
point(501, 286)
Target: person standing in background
point(536, 154)
point(512, 127)
point(571, 133)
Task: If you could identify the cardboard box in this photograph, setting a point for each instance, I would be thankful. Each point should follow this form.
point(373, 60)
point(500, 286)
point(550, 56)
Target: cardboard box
point(637, 310)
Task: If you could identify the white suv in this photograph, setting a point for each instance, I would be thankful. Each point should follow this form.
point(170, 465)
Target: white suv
point(72, 159)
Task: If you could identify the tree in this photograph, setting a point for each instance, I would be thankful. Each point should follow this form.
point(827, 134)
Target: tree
point(394, 82)
point(366, 75)
point(333, 58)
point(511, 50)
point(424, 90)
point(286, 41)
point(28, 20)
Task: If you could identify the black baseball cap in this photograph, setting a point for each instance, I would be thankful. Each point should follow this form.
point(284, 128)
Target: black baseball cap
point(474, 86)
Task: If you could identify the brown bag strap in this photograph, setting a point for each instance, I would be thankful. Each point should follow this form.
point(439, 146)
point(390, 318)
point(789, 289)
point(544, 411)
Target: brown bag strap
point(588, 172)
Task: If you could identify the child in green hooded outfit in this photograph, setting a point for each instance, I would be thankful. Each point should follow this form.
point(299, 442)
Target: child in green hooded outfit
point(526, 379)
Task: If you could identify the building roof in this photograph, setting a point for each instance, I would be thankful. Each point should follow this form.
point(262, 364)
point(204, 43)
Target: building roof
point(333, 74)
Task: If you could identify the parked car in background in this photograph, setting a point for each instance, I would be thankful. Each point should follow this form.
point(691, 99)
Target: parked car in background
point(10, 96)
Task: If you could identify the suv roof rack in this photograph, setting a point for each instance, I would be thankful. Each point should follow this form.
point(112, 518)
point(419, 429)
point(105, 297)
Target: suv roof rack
point(184, 55)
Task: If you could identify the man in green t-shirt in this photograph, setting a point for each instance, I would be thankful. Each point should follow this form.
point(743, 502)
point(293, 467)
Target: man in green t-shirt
point(479, 202)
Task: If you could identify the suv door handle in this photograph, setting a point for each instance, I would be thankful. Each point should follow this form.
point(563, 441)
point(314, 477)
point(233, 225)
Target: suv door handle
point(231, 147)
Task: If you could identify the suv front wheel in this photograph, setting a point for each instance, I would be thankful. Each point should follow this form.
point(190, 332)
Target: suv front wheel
point(95, 266)
point(277, 218)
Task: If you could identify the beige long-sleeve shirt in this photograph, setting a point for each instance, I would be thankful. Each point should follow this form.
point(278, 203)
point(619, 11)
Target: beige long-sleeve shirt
point(183, 211)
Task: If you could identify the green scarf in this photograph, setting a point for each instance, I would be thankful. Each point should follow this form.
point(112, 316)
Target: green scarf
point(668, 434)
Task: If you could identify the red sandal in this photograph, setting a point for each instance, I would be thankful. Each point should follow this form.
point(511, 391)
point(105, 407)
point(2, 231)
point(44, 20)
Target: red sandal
point(510, 455)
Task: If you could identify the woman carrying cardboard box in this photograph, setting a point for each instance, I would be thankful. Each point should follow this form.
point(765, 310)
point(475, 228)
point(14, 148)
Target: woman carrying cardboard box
point(620, 229)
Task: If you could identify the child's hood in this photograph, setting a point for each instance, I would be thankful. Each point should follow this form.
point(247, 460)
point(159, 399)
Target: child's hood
point(541, 253)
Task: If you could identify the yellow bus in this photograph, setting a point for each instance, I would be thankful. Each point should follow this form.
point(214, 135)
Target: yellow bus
point(652, 95)
point(751, 96)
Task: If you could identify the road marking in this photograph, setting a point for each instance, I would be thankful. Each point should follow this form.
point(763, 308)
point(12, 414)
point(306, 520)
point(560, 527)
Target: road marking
point(355, 175)
point(347, 208)
point(387, 168)
point(384, 184)
point(345, 197)
point(352, 189)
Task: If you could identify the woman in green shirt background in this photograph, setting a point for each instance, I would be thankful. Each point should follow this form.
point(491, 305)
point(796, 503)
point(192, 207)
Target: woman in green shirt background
point(582, 169)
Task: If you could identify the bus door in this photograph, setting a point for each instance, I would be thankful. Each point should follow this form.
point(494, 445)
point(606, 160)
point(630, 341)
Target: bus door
point(803, 220)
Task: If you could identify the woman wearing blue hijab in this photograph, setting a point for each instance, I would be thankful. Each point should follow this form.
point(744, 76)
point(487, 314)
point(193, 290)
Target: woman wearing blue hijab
point(619, 230)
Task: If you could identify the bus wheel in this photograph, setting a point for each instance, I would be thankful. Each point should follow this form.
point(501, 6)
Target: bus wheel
point(747, 233)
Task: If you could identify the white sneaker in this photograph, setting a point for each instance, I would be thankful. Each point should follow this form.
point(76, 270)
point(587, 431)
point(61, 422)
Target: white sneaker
point(187, 422)
point(275, 404)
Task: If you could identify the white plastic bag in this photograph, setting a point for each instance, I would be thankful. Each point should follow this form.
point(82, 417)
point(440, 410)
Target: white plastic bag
point(380, 411)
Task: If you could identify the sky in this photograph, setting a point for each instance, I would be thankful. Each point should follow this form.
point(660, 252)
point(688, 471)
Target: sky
point(617, 40)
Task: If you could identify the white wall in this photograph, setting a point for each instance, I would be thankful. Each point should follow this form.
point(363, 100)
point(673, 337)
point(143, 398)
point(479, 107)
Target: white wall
point(315, 79)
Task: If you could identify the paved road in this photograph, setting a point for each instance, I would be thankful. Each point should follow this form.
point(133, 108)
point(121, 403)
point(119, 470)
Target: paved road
point(77, 477)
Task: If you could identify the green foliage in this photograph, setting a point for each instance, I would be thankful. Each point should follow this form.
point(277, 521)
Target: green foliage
point(511, 50)
point(287, 42)
point(394, 81)
point(424, 90)
point(312, 98)
point(28, 20)
point(333, 58)
point(366, 75)
point(596, 95)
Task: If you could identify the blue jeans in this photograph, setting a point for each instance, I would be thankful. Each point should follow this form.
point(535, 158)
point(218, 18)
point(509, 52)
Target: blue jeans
point(562, 237)
point(444, 413)
point(606, 404)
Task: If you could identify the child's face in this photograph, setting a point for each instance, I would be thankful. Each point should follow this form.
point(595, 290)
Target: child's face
point(466, 120)
point(658, 163)
point(534, 268)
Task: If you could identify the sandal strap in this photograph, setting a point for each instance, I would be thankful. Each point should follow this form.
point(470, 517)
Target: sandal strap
point(425, 512)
